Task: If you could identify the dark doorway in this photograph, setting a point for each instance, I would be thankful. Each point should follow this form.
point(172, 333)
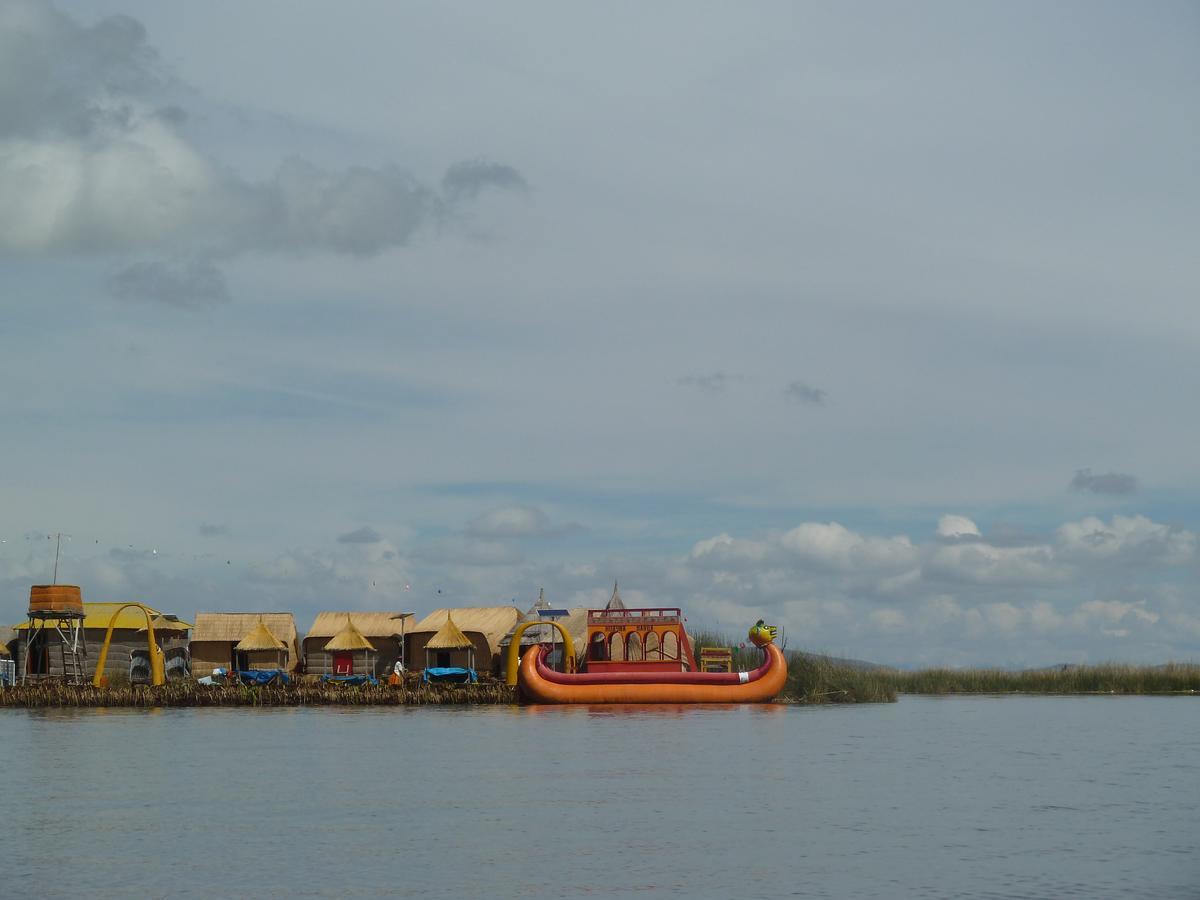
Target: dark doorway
point(443, 659)
point(37, 660)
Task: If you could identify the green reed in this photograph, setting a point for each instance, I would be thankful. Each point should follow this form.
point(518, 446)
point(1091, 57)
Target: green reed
point(1107, 678)
point(811, 678)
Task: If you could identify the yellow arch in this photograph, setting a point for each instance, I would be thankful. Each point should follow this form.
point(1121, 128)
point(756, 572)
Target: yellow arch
point(156, 656)
point(513, 656)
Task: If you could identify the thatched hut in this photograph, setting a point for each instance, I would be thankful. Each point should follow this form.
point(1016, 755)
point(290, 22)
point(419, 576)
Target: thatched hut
point(484, 626)
point(449, 647)
point(260, 650)
point(8, 641)
point(128, 641)
point(350, 653)
point(384, 630)
point(217, 634)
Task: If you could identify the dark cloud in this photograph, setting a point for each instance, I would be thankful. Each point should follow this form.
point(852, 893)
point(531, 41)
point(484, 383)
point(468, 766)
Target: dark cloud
point(712, 383)
point(466, 179)
point(76, 102)
point(52, 70)
point(207, 530)
point(188, 284)
point(364, 535)
point(804, 393)
point(1113, 483)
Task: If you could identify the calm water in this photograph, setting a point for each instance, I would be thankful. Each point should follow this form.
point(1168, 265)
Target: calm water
point(955, 798)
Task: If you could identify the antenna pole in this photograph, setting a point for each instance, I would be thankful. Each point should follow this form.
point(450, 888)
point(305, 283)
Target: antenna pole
point(57, 545)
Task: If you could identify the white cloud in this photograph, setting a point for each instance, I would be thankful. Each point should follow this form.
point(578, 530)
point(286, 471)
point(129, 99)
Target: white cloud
point(836, 547)
point(951, 526)
point(1127, 538)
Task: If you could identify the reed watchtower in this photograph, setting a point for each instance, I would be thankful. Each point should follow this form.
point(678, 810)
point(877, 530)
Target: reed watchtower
point(55, 646)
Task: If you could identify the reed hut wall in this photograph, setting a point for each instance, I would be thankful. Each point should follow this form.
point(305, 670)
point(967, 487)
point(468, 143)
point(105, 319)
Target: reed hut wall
point(382, 628)
point(485, 659)
point(319, 661)
point(484, 625)
point(216, 634)
point(124, 642)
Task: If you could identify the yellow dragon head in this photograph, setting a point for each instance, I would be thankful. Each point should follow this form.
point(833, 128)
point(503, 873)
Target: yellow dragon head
point(761, 635)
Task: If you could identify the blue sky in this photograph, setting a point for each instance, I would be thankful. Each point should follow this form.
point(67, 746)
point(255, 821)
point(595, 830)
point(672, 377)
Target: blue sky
point(878, 322)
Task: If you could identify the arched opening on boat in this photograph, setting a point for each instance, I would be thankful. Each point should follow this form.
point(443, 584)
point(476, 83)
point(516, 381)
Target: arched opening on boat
point(616, 646)
point(653, 646)
point(598, 648)
point(633, 647)
point(670, 646)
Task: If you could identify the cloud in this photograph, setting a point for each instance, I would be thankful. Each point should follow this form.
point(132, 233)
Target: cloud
point(465, 180)
point(833, 546)
point(95, 159)
point(1128, 539)
point(952, 527)
point(457, 550)
point(364, 535)
point(800, 392)
point(191, 284)
point(712, 383)
point(1113, 483)
point(518, 522)
point(207, 530)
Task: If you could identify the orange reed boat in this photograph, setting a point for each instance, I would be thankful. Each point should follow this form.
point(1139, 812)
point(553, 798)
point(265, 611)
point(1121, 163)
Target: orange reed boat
point(644, 656)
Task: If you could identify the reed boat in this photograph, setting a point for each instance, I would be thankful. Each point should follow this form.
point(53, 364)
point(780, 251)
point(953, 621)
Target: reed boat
point(644, 656)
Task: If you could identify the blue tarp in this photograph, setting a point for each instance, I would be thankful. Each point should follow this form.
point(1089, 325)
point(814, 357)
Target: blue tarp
point(448, 673)
point(262, 676)
point(350, 679)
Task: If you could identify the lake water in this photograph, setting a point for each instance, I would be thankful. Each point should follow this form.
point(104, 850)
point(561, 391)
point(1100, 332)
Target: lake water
point(963, 797)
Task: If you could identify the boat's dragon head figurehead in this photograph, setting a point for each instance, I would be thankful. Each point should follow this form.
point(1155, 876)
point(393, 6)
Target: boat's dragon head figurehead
point(761, 634)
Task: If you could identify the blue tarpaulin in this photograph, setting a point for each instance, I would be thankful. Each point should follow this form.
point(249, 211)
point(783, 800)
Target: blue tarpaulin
point(448, 673)
point(262, 676)
point(350, 679)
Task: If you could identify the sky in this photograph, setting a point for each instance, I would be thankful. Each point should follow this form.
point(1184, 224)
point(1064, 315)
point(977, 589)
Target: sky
point(879, 322)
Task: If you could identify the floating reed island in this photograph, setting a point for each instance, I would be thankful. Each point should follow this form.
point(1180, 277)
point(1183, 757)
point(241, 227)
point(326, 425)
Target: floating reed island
point(186, 693)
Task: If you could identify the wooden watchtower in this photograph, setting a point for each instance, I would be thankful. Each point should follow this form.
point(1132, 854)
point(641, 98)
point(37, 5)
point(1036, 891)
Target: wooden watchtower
point(54, 642)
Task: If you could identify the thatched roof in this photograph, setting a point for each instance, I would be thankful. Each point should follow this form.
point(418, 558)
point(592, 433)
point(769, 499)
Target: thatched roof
point(448, 637)
point(98, 615)
point(349, 638)
point(493, 622)
point(7, 635)
point(371, 624)
point(232, 627)
point(260, 638)
point(615, 602)
point(167, 623)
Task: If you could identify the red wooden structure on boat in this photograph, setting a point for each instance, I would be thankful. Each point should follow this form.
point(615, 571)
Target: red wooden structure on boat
point(638, 640)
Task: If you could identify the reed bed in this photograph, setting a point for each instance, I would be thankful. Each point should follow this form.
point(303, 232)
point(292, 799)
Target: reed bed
point(1109, 678)
point(187, 693)
point(811, 678)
